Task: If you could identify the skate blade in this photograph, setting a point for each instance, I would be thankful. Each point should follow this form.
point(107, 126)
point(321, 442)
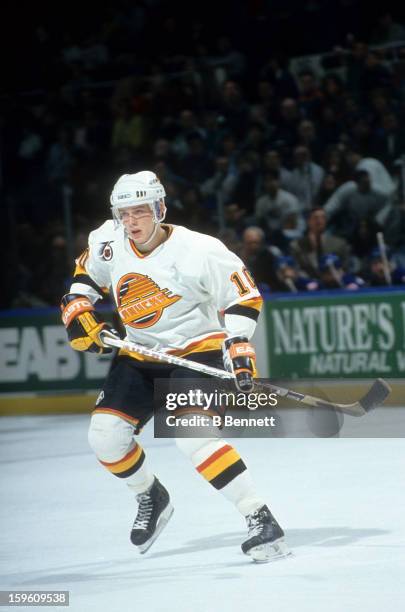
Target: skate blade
point(164, 518)
point(270, 551)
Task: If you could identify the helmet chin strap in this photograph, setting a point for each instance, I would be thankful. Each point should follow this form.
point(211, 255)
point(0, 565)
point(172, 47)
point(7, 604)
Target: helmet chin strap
point(153, 234)
point(151, 237)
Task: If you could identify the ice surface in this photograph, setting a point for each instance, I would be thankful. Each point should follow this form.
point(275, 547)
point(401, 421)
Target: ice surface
point(65, 525)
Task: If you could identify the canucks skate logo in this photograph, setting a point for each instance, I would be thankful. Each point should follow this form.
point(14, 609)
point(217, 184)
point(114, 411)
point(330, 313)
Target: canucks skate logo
point(106, 251)
point(141, 301)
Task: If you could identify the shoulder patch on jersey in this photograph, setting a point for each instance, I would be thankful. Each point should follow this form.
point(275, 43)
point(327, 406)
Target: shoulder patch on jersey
point(141, 301)
point(106, 252)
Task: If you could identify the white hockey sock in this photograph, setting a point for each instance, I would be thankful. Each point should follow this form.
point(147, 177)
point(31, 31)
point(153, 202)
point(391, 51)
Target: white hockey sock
point(221, 465)
point(242, 493)
point(141, 481)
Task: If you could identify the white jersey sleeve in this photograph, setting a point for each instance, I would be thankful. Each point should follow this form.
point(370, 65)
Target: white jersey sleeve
point(92, 274)
point(231, 287)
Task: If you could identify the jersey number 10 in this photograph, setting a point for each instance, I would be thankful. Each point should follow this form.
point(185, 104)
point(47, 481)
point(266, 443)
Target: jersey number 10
point(241, 286)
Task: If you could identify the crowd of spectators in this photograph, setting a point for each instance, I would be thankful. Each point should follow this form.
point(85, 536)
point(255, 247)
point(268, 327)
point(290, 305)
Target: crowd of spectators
point(297, 171)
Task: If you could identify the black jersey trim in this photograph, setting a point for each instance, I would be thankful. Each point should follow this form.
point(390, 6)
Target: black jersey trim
point(244, 311)
point(85, 279)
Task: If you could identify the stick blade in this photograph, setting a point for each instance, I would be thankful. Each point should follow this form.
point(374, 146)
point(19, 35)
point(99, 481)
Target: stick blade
point(375, 396)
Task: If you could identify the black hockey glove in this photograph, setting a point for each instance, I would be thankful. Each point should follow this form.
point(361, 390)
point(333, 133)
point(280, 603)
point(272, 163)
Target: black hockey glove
point(239, 357)
point(83, 324)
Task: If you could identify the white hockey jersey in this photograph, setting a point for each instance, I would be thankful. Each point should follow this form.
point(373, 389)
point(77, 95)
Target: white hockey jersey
point(187, 295)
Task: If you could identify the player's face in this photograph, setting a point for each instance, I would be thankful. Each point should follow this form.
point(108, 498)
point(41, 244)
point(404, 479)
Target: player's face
point(138, 222)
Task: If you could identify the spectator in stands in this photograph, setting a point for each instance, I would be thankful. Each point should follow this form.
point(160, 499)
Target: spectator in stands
point(165, 173)
point(234, 108)
point(162, 153)
point(194, 210)
point(187, 125)
point(380, 272)
point(255, 139)
point(128, 133)
point(258, 117)
point(60, 158)
point(228, 147)
point(309, 249)
point(328, 187)
point(197, 165)
point(259, 258)
point(286, 128)
point(380, 105)
point(289, 278)
point(245, 191)
point(277, 72)
point(389, 142)
point(236, 218)
point(330, 126)
point(332, 275)
point(308, 137)
point(267, 99)
point(334, 163)
point(380, 178)
point(376, 74)
point(361, 134)
point(310, 99)
point(219, 187)
point(274, 204)
point(271, 161)
point(292, 227)
point(354, 202)
point(352, 111)
point(306, 178)
point(213, 128)
point(333, 90)
point(230, 239)
point(356, 60)
point(227, 58)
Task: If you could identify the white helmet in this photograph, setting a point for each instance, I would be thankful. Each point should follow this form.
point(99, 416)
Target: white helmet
point(138, 189)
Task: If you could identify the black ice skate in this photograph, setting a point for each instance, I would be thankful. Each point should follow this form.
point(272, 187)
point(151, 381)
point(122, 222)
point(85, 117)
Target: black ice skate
point(154, 512)
point(266, 538)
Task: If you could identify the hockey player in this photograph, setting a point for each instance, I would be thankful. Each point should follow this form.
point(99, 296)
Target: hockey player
point(180, 292)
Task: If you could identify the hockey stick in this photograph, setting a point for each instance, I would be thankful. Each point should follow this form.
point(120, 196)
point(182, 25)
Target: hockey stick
point(384, 258)
point(373, 398)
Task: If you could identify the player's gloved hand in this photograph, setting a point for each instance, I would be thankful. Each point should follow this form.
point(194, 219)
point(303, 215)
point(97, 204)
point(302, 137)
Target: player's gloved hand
point(239, 357)
point(83, 324)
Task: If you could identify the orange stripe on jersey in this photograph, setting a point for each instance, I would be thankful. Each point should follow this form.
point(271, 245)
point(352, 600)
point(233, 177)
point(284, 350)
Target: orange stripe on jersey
point(126, 462)
point(168, 229)
point(118, 413)
point(255, 303)
point(135, 250)
point(211, 343)
point(81, 261)
point(79, 270)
